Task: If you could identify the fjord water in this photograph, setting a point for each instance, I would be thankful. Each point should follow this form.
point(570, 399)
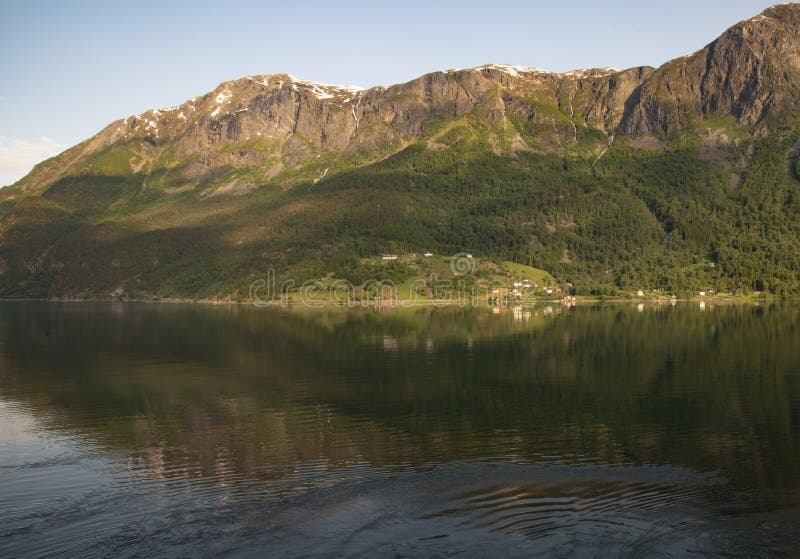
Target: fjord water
point(594, 431)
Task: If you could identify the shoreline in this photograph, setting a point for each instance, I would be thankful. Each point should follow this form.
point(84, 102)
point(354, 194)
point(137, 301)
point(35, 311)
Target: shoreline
point(410, 303)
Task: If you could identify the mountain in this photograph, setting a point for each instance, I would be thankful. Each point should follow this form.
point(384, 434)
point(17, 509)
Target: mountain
point(678, 178)
point(277, 124)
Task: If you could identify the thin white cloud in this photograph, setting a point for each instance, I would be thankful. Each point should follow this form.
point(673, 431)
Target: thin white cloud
point(18, 156)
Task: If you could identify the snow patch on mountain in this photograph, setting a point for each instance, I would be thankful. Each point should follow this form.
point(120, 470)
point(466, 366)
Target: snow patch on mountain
point(319, 90)
point(590, 73)
point(521, 71)
point(510, 69)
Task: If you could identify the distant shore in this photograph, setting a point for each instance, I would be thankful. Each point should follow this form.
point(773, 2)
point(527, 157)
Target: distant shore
point(410, 303)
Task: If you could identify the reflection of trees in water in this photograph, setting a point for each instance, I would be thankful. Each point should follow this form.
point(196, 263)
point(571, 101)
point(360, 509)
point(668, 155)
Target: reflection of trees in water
point(200, 390)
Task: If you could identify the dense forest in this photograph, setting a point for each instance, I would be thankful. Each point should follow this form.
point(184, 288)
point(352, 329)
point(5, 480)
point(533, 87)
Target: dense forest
point(667, 219)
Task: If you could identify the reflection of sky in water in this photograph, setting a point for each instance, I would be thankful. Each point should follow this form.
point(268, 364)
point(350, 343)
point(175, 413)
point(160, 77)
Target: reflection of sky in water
point(17, 429)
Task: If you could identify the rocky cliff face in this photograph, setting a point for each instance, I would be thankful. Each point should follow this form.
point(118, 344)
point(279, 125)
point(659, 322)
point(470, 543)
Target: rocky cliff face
point(751, 72)
point(277, 123)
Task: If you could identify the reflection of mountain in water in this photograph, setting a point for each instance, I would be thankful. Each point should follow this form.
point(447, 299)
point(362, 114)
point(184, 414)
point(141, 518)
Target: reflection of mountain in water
point(263, 389)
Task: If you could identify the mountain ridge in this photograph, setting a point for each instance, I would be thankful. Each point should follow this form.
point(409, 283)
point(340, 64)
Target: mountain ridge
point(643, 113)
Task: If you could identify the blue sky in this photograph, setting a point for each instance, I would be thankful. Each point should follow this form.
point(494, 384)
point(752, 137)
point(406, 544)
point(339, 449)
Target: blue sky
point(69, 68)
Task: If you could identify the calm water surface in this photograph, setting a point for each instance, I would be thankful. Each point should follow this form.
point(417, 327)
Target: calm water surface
point(601, 431)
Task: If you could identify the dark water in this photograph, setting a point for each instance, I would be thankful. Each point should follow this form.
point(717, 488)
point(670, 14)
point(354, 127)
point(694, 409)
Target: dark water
point(188, 431)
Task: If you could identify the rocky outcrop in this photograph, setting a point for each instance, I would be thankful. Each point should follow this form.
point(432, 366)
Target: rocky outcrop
point(751, 72)
point(276, 123)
